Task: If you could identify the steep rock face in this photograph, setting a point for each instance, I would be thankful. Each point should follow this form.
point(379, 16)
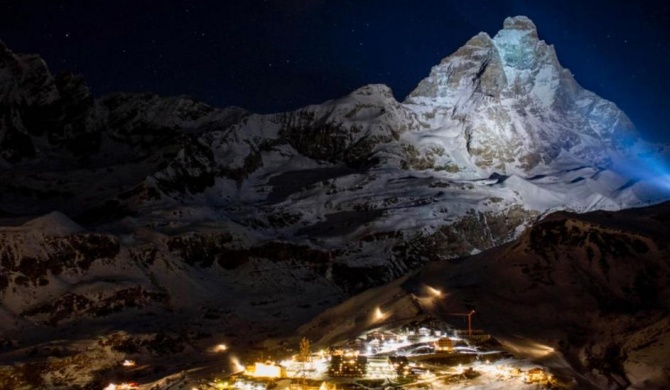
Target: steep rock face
point(349, 130)
point(518, 107)
point(26, 88)
point(76, 104)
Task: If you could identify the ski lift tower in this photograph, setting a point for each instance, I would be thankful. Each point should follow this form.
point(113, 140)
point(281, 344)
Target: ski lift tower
point(469, 315)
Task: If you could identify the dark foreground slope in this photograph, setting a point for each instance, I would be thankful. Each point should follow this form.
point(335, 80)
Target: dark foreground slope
point(588, 294)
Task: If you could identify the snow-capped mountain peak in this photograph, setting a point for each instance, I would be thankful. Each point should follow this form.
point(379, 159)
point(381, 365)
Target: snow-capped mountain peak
point(517, 108)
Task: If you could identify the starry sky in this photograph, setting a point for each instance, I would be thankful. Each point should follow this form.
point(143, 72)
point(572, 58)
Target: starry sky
point(277, 55)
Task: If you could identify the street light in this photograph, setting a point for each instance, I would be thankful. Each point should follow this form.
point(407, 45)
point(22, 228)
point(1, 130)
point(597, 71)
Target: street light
point(434, 292)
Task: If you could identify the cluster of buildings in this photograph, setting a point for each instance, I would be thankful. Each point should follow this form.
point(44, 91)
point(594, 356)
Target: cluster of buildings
point(387, 356)
point(375, 355)
point(415, 354)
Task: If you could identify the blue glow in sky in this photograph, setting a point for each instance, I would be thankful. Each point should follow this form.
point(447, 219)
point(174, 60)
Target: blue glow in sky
point(651, 168)
point(277, 55)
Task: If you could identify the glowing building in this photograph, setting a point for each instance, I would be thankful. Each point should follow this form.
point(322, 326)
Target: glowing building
point(444, 344)
point(263, 370)
point(349, 364)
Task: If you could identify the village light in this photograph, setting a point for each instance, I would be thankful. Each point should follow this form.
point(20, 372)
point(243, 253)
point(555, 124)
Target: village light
point(128, 363)
point(530, 348)
point(537, 350)
point(461, 369)
point(220, 348)
point(379, 315)
point(262, 370)
point(236, 364)
point(434, 292)
point(112, 386)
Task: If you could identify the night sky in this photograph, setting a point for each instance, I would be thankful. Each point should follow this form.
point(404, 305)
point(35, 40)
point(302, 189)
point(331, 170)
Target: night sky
point(278, 55)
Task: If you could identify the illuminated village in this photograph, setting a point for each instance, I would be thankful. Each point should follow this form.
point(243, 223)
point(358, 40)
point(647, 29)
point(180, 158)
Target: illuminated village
point(425, 354)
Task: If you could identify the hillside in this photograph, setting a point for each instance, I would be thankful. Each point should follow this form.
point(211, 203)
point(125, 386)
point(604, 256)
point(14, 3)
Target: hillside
point(584, 294)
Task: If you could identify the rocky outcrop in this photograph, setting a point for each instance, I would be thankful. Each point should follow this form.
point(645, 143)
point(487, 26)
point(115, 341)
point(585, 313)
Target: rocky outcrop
point(26, 88)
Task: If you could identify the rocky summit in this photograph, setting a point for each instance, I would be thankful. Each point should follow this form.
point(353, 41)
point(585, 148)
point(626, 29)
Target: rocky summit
point(518, 109)
point(132, 207)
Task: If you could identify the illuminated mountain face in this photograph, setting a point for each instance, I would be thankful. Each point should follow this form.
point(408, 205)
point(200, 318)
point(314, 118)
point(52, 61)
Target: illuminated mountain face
point(519, 108)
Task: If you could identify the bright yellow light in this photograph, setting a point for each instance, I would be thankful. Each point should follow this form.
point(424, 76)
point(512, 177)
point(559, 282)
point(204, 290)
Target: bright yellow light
point(435, 292)
point(237, 365)
point(221, 348)
point(533, 349)
point(541, 350)
point(379, 315)
point(111, 386)
point(128, 363)
point(266, 371)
